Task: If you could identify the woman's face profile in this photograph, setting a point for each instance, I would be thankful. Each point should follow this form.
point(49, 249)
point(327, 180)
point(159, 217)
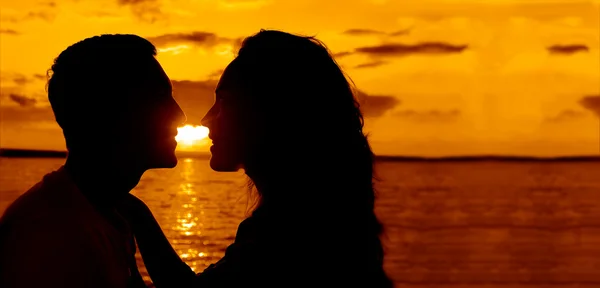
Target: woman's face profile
point(228, 124)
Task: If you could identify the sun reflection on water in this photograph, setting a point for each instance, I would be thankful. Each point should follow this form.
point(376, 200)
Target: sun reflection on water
point(188, 222)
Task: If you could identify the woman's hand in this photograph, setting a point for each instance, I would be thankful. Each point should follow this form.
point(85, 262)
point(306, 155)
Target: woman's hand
point(164, 265)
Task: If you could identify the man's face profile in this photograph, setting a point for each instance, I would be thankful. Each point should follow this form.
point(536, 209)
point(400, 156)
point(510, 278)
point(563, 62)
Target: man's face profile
point(147, 124)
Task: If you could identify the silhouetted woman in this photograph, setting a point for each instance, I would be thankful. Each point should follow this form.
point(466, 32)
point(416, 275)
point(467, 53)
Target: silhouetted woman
point(286, 114)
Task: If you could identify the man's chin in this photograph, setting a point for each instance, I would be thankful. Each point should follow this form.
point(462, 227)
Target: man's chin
point(219, 165)
point(167, 161)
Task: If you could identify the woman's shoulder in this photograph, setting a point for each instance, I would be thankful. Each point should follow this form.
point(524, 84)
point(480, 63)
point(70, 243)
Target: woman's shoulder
point(248, 230)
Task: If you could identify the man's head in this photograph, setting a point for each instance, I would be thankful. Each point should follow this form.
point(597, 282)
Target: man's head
point(112, 99)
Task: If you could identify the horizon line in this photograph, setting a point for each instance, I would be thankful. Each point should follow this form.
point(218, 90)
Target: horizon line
point(35, 153)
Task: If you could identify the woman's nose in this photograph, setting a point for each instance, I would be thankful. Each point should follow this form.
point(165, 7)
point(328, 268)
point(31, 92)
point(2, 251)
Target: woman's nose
point(208, 119)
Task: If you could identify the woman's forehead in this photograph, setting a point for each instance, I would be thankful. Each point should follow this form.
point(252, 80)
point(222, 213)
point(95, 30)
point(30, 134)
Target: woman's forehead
point(229, 78)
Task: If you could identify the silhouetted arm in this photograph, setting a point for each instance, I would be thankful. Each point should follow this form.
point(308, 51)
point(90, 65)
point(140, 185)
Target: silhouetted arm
point(247, 263)
point(164, 265)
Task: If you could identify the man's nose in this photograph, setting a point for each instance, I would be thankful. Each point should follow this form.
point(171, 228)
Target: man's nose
point(180, 117)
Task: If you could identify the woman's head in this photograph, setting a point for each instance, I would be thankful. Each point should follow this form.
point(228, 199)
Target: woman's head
point(287, 115)
point(282, 101)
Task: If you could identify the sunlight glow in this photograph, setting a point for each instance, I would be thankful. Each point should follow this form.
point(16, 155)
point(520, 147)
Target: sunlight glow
point(190, 135)
point(175, 49)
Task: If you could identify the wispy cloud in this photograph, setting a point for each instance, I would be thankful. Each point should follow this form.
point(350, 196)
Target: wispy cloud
point(216, 74)
point(565, 116)
point(24, 91)
point(407, 49)
point(567, 49)
point(592, 103)
point(196, 98)
point(144, 10)
point(21, 114)
point(372, 64)
point(47, 15)
point(23, 101)
point(243, 4)
point(20, 79)
point(9, 32)
point(195, 38)
point(45, 11)
point(40, 77)
point(51, 4)
point(369, 32)
point(429, 115)
point(399, 50)
point(376, 105)
point(342, 54)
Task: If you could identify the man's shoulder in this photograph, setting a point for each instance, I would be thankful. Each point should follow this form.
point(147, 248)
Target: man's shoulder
point(41, 216)
point(41, 203)
point(28, 204)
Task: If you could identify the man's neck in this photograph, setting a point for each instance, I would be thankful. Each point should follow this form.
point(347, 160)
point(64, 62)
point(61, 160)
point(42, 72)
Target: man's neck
point(102, 180)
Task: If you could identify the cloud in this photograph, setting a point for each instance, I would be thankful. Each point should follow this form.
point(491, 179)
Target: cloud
point(20, 114)
point(341, 54)
point(376, 105)
point(399, 50)
point(23, 101)
point(591, 103)
point(371, 64)
point(21, 79)
point(400, 32)
point(22, 91)
point(405, 49)
point(361, 32)
point(196, 98)
point(144, 10)
point(429, 115)
point(565, 116)
point(567, 49)
point(106, 15)
point(134, 2)
point(243, 4)
point(47, 15)
point(45, 11)
point(369, 32)
point(196, 38)
point(216, 74)
point(40, 77)
point(9, 32)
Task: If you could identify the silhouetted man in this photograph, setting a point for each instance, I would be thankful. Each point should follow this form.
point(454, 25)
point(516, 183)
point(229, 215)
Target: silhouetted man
point(113, 101)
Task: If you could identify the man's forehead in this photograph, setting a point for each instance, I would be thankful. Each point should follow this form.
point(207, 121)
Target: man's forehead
point(153, 76)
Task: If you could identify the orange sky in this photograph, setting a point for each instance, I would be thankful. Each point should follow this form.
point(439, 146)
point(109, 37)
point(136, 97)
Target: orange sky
point(468, 76)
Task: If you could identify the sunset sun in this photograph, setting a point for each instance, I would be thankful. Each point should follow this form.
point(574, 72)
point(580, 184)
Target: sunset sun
point(189, 135)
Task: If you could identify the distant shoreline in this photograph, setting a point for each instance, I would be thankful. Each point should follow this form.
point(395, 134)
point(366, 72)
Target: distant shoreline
point(24, 153)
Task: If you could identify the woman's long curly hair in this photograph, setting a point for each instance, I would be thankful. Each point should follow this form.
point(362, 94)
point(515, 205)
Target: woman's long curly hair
point(309, 140)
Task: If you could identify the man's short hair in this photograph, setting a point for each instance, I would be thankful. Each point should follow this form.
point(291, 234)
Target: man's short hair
point(88, 73)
